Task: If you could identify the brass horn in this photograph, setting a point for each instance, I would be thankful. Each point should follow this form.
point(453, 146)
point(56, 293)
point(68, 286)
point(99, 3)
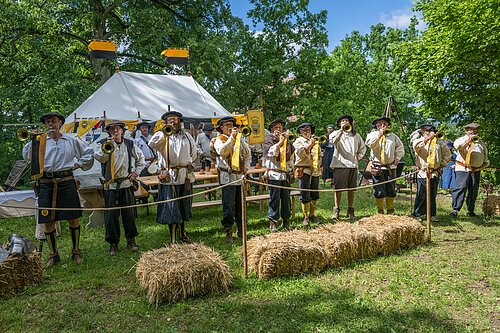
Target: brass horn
point(23, 134)
point(291, 137)
point(322, 139)
point(246, 130)
point(440, 135)
point(387, 131)
point(475, 138)
point(168, 129)
point(108, 147)
point(347, 128)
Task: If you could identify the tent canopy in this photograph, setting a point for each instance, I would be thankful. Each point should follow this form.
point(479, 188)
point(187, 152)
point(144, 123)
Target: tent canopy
point(126, 94)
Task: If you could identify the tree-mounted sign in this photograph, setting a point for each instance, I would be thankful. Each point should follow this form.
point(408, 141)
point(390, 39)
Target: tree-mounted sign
point(176, 56)
point(102, 49)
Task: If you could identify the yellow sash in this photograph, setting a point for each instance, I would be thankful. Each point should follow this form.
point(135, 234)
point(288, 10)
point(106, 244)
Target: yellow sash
point(283, 155)
point(431, 153)
point(382, 150)
point(315, 158)
point(469, 153)
point(235, 158)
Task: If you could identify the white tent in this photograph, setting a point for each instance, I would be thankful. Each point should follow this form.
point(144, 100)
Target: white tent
point(126, 94)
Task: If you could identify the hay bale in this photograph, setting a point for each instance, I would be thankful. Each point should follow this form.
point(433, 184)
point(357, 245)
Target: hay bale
point(491, 205)
point(393, 232)
point(285, 254)
point(19, 271)
point(177, 272)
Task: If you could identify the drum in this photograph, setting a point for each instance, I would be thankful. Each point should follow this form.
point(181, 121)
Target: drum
point(153, 168)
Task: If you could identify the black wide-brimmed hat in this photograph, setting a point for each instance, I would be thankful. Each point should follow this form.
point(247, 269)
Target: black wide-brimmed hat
point(344, 116)
point(143, 123)
point(387, 119)
point(208, 127)
point(172, 113)
point(274, 122)
point(428, 127)
point(115, 123)
point(52, 114)
point(472, 126)
point(304, 125)
point(224, 120)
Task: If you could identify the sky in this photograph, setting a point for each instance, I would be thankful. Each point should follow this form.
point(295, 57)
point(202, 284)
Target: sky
point(345, 16)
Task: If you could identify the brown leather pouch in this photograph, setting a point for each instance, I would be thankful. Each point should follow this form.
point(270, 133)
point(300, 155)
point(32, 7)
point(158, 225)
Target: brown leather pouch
point(299, 172)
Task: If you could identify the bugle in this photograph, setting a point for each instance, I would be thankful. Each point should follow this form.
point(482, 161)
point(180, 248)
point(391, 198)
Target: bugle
point(246, 130)
point(108, 147)
point(168, 129)
point(291, 137)
point(322, 139)
point(440, 135)
point(24, 134)
point(387, 131)
point(347, 128)
point(475, 138)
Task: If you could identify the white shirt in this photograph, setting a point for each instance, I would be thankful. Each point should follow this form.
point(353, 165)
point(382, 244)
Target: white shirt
point(121, 162)
point(142, 143)
point(303, 158)
point(393, 148)
point(224, 150)
point(60, 155)
point(349, 149)
point(441, 158)
point(273, 162)
point(478, 157)
point(203, 144)
point(181, 152)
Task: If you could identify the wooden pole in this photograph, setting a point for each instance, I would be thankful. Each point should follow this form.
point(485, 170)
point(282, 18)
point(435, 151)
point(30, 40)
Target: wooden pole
point(428, 203)
point(244, 226)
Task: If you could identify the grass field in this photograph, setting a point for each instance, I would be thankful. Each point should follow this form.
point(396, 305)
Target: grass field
point(449, 285)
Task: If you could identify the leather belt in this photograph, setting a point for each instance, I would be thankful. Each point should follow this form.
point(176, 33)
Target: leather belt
point(57, 174)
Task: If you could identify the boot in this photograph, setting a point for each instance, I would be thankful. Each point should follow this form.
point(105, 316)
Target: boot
point(113, 249)
point(305, 212)
point(312, 211)
point(286, 224)
point(39, 247)
point(336, 213)
point(379, 202)
point(350, 214)
point(131, 245)
point(390, 205)
point(229, 234)
point(53, 259)
point(76, 257)
point(272, 226)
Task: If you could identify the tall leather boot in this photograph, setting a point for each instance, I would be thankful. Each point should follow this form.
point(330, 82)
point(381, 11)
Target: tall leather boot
point(305, 211)
point(53, 255)
point(229, 234)
point(75, 239)
point(379, 202)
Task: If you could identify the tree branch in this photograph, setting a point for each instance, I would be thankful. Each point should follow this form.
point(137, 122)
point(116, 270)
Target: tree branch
point(141, 58)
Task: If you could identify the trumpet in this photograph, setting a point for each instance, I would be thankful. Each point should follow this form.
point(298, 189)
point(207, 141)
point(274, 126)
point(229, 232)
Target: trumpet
point(23, 134)
point(108, 147)
point(291, 137)
point(246, 130)
point(440, 135)
point(475, 138)
point(322, 139)
point(168, 129)
point(387, 131)
point(347, 128)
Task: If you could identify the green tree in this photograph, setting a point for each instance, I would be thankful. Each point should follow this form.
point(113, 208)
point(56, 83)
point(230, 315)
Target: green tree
point(454, 65)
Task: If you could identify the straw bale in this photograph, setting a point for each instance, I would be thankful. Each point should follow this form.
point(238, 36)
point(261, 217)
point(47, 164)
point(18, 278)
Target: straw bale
point(177, 272)
point(19, 271)
point(393, 232)
point(491, 205)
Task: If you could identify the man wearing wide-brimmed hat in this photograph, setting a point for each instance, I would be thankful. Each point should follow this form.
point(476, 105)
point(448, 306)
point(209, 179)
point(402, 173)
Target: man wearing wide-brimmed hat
point(386, 152)
point(142, 138)
point(308, 157)
point(52, 156)
point(327, 174)
point(349, 149)
point(471, 159)
point(233, 160)
point(431, 155)
point(203, 145)
point(279, 153)
point(176, 156)
point(122, 162)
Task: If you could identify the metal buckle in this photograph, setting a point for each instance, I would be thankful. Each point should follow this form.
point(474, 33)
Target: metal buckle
point(49, 174)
